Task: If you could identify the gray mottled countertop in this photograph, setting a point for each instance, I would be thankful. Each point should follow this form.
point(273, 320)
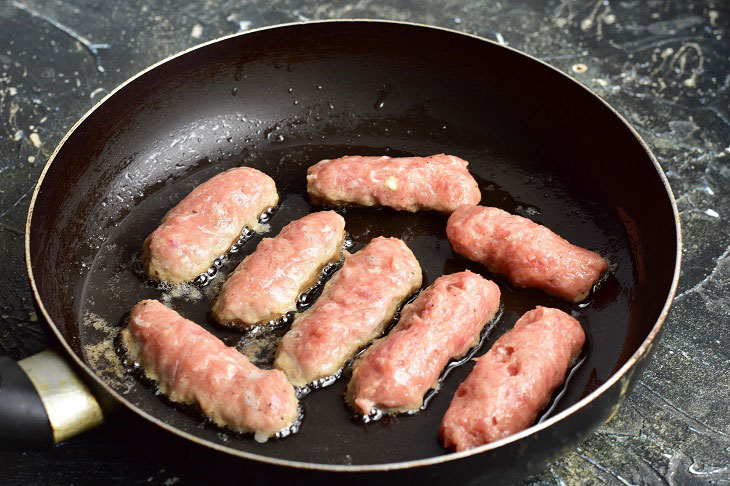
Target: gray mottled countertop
point(663, 64)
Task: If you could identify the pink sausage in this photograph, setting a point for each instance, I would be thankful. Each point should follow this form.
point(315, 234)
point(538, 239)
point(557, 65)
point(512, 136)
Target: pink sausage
point(268, 281)
point(443, 323)
point(192, 366)
point(440, 182)
point(206, 223)
point(529, 254)
point(354, 308)
point(514, 381)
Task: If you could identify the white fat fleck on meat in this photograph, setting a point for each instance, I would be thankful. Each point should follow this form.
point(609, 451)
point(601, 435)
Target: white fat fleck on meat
point(219, 208)
point(230, 371)
point(239, 197)
point(391, 183)
point(208, 231)
point(250, 399)
point(401, 376)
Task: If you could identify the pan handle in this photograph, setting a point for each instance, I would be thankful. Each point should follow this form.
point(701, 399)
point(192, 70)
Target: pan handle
point(43, 402)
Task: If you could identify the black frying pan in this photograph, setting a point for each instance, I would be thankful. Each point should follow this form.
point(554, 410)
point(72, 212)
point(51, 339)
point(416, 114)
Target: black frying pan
point(281, 99)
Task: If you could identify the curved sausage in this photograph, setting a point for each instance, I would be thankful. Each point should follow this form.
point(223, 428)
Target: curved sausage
point(206, 223)
point(354, 308)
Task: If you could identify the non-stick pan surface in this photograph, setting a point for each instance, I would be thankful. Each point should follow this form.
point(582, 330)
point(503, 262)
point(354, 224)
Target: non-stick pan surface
point(283, 98)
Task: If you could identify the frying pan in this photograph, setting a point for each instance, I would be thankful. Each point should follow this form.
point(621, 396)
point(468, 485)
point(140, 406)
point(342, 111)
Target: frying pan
point(281, 98)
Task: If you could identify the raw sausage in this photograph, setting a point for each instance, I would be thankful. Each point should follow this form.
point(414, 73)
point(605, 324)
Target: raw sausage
point(440, 182)
point(514, 381)
point(443, 323)
point(267, 282)
point(529, 254)
point(354, 308)
point(192, 366)
point(206, 223)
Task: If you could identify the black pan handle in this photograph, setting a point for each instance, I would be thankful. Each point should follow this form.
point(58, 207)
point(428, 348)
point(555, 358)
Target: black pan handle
point(43, 402)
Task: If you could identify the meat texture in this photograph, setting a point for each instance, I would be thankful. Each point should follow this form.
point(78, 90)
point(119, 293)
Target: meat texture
point(354, 308)
point(443, 323)
point(440, 182)
point(192, 366)
point(206, 223)
point(529, 254)
point(514, 381)
point(267, 282)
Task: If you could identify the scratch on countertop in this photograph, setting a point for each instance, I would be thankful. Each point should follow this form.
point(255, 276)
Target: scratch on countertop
point(707, 470)
point(665, 404)
point(599, 19)
point(587, 22)
point(664, 101)
point(92, 47)
point(24, 195)
point(655, 472)
point(680, 464)
point(17, 341)
point(557, 477)
point(11, 229)
point(652, 42)
point(603, 469)
point(714, 110)
point(722, 259)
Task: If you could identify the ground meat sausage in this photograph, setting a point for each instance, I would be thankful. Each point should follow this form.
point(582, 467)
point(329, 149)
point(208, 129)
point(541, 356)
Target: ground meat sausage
point(514, 381)
point(192, 366)
point(354, 308)
point(443, 323)
point(206, 223)
point(266, 284)
point(529, 254)
point(440, 182)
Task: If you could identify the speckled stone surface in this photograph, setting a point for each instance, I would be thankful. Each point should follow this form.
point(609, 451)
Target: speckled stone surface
point(663, 64)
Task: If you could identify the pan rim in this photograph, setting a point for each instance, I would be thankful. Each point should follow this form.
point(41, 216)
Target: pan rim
point(619, 375)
